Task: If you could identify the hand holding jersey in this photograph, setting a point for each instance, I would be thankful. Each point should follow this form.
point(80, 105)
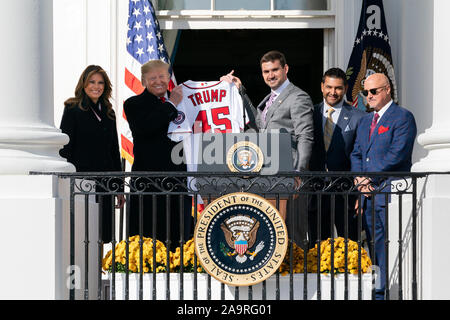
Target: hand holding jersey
point(230, 78)
point(176, 96)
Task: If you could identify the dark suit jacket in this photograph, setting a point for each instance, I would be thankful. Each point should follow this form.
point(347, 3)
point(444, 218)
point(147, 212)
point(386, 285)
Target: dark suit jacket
point(149, 120)
point(388, 149)
point(391, 144)
point(93, 145)
point(337, 158)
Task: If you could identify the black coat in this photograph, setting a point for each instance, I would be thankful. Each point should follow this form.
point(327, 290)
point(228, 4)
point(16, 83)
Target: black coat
point(149, 118)
point(93, 145)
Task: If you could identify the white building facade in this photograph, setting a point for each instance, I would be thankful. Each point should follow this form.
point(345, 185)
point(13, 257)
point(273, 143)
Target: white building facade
point(45, 56)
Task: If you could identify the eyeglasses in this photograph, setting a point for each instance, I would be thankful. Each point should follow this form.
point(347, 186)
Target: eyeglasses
point(373, 91)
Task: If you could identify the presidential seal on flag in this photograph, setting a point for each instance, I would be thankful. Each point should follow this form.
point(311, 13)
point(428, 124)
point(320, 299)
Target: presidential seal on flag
point(240, 239)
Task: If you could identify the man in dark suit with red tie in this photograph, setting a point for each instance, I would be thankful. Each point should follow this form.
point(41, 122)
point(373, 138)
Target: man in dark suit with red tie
point(384, 142)
point(149, 115)
point(335, 125)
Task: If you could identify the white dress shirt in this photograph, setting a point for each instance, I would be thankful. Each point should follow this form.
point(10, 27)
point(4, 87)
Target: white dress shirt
point(281, 88)
point(334, 116)
point(384, 109)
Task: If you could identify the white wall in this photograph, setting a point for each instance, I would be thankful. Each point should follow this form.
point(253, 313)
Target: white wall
point(84, 33)
point(347, 20)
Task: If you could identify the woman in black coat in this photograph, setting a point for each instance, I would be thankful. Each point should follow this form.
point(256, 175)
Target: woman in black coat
point(90, 123)
point(148, 116)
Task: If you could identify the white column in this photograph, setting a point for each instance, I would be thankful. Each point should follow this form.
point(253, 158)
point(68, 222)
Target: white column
point(437, 138)
point(29, 140)
point(434, 191)
point(31, 212)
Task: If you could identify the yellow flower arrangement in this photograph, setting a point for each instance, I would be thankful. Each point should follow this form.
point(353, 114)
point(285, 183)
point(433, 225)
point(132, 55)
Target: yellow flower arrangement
point(189, 254)
point(147, 250)
point(298, 265)
point(134, 256)
point(188, 258)
point(325, 258)
point(339, 257)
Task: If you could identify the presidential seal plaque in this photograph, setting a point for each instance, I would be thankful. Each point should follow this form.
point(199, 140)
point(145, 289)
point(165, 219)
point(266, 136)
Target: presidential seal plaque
point(245, 156)
point(240, 239)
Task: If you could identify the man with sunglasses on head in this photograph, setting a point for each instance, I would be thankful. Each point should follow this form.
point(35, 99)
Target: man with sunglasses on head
point(384, 142)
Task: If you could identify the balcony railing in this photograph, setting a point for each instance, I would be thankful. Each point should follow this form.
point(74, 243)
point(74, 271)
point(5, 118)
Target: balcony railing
point(304, 191)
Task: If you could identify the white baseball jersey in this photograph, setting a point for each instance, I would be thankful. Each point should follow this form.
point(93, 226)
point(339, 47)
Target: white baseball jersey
point(208, 107)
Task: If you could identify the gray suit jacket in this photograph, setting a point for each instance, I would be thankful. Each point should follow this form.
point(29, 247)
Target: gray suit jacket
point(291, 110)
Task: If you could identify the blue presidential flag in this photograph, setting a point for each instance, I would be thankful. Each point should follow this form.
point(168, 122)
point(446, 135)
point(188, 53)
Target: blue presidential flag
point(371, 53)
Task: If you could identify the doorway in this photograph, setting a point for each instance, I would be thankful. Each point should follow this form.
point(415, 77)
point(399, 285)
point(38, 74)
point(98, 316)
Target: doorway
point(206, 55)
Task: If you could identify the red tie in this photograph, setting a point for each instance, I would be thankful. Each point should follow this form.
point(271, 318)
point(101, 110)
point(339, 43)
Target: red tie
point(374, 123)
point(162, 99)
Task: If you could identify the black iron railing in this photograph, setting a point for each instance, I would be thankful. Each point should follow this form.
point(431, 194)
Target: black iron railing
point(310, 187)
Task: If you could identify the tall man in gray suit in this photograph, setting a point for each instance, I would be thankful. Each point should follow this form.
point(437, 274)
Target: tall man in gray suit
point(335, 125)
point(286, 107)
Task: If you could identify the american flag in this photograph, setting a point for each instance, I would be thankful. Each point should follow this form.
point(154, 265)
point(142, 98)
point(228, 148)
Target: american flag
point(144, 43)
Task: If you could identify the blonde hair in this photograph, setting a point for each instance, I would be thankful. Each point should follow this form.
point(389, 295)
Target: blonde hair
point(152, 65)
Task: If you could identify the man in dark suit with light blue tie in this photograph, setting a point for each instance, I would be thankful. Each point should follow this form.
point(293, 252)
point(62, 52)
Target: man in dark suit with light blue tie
point(384, 142)
point(335, 125)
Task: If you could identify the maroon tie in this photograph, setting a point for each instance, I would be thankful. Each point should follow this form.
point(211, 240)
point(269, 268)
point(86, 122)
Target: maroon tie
point(374, 123)
point(162, 99)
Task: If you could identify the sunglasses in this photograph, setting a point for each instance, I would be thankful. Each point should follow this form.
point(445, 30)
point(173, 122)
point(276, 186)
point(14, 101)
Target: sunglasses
point(373, 91)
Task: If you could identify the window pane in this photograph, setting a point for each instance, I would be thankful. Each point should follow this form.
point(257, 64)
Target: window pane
point(240, 4)
point(244, 5)
point(184, 4)
point(301, 5)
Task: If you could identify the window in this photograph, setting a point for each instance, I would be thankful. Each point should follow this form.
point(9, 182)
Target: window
point(211, 37)
point(242, 5)
point(205, 55)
